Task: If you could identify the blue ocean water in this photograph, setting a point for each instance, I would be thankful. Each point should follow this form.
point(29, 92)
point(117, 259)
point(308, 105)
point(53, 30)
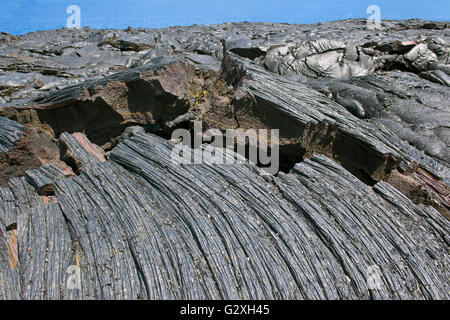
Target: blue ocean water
point(22, 16)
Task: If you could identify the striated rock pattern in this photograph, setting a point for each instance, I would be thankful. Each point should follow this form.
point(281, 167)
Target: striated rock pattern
point(92, 206)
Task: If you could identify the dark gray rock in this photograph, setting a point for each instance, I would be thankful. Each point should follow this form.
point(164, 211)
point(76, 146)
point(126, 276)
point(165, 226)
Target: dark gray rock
point(10, 133)
point(129, 132)
point(42, 179)
point(148, 224)
point(78, 152)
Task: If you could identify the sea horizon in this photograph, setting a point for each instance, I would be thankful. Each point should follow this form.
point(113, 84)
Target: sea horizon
point(21, 17)
point(226, 22)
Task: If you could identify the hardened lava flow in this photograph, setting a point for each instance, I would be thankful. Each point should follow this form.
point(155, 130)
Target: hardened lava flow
point(359, 208)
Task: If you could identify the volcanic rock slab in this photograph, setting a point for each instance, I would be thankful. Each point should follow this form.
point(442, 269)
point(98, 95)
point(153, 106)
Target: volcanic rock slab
point(142, 227)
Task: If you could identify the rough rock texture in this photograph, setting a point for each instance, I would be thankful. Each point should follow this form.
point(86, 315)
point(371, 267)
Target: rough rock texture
point(360, 206)
point(23, 148)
